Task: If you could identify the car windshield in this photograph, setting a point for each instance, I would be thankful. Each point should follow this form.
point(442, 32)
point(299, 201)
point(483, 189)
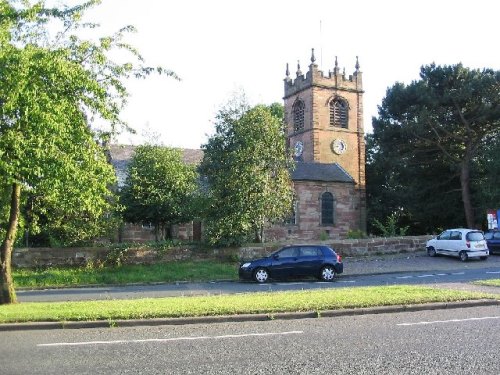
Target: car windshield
point(475, 236)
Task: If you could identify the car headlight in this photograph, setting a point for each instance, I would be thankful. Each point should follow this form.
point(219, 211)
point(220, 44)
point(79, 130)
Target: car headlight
point(246, 265)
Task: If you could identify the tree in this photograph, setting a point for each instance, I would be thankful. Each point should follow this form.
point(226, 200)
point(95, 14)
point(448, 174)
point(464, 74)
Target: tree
point(486, 176)
point(52, 85)
point(159, 189)
point(427, 136)
point(247, 170)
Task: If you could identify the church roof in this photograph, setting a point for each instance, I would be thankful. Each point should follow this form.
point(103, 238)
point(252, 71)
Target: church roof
point(320, 172)
point(121, 155)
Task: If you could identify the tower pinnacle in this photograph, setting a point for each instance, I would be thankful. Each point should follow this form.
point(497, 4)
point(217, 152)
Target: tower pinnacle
point(299, 72)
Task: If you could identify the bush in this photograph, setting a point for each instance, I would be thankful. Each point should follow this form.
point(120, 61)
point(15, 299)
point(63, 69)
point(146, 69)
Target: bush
point(390, 228)
point(356, 234)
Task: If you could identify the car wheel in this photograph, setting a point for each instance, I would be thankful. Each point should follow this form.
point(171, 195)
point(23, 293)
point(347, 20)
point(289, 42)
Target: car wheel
point(483, 258)
point(431, 252)
point(463, 256)
point(260, 275)
point(327, 273)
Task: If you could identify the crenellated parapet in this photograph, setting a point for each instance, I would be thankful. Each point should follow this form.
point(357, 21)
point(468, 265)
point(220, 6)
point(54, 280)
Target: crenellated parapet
point(316, 78)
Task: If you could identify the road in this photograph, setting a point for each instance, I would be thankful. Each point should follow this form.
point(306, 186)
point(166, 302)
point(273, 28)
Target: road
point(450, 274)
point(452, 341)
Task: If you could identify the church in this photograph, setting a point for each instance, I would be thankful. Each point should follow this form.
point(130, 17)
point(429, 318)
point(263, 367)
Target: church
point(324, 126)
point(324, 131)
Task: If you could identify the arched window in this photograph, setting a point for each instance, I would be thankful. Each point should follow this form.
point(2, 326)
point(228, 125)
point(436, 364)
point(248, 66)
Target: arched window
point(298, 115)
point(339, 113)
point(327, 209)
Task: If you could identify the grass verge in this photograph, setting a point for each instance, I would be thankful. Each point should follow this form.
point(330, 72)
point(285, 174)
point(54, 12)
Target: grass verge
point(252, 303)
point(492, 282)
point(203, 270)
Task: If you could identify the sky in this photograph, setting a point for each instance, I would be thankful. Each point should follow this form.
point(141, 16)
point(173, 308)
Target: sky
point(222, 47)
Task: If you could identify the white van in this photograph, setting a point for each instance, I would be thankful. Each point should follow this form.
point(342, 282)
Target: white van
point(461, 243)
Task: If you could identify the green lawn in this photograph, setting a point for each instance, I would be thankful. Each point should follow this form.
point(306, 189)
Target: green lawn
point(492, 282)
point(252, 303)
point(202, 270)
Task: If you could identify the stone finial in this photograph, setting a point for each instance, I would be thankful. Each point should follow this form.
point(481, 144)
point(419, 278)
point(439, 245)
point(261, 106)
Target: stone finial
point(299, 72)
point(336, 69)
point(313, 58)
point(357, 64)
point(287, 71)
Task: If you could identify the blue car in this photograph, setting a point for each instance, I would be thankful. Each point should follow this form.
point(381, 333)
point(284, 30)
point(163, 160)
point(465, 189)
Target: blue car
point(492, 238)
point(294, 261)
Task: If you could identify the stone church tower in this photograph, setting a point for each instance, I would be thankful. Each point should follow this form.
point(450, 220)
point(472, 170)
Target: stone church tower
point(324, 125)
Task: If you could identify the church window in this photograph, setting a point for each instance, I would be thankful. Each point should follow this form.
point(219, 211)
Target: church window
point(339, 113)
point(327, 208)
point(298, 115)
point(292, 218)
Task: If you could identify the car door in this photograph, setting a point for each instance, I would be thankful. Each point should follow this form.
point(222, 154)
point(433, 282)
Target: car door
point(455, 243)
point(284, 263)
point(496, 241)
point(310, 261)
point(493, 239)
point(442, 242)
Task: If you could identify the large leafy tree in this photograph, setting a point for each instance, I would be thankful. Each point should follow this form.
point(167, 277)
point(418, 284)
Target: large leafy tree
point(247, 170)
point(52, 85)
point(426, 142)
point(160, 189)
point(486, 176)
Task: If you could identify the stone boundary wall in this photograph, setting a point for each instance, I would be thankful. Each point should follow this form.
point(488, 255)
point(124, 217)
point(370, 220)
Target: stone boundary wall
point(44, 257)
point(361, 247)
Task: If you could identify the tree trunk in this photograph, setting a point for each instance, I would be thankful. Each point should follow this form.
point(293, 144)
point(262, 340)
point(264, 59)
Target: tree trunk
point(259, 233)
point(7, 292)
point(466, 197)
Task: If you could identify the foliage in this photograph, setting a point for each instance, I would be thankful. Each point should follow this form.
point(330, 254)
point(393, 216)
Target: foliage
point(159, 188)
point(390, 228)
point(247, 170)
point(356, 234)
point(486, 176)
point(424, 153)
point(323, 236)
point(53, 87)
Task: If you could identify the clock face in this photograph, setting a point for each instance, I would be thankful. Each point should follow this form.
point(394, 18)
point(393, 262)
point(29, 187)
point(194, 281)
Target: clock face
point(299, 148)
point(339, 146)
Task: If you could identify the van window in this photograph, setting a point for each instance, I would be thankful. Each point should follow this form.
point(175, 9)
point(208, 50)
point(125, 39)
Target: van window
point(455, 235)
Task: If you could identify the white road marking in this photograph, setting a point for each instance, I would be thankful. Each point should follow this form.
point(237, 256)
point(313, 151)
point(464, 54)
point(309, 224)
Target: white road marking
point(425, 275)
point(82, 343)
point(458, 273)
point(448, 321)
point(492, 271)
point(404, 277)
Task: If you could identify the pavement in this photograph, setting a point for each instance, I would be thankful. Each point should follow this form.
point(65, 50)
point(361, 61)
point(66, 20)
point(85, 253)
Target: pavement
point(411, 262)
point(370, 265)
